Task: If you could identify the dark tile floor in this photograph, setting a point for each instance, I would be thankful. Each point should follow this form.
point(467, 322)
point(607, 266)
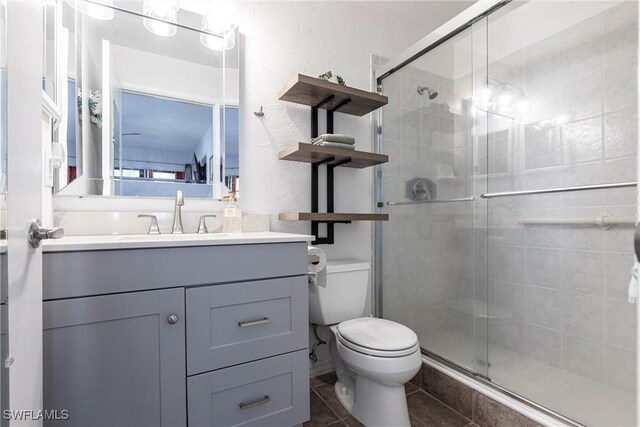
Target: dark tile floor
point(424, 410)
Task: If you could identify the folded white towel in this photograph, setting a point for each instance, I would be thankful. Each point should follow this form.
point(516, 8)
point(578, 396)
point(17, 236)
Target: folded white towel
point(335, 144)
point(335, 137)
point(633, 283)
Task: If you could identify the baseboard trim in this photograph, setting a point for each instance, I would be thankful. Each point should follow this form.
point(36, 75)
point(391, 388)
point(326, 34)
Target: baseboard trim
point(319, 368)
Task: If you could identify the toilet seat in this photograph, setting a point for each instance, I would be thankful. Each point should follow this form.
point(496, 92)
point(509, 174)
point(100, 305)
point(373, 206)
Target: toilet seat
point(377, 337)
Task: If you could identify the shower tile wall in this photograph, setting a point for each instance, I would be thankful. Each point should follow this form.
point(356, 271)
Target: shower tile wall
point(565, 287)
point(560, 330)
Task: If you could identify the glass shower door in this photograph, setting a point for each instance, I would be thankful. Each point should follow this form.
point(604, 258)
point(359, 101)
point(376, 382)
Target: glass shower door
point(512, 196)
point(562, 112)
point(431, 279)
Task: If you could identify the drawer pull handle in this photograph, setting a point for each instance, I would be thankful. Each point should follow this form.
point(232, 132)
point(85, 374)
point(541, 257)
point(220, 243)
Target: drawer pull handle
point(253, 322)
point(252, 403)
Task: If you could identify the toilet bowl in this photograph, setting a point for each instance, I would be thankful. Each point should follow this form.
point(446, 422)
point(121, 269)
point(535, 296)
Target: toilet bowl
point(374, 358)
point(372, 371)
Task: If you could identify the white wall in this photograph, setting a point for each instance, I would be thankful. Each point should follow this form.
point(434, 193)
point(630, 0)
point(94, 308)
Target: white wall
point(280, 39)
point(145, 72)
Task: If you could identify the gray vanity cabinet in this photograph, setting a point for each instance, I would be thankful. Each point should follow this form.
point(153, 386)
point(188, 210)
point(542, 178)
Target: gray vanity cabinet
point(204, 336)
point(116, 360)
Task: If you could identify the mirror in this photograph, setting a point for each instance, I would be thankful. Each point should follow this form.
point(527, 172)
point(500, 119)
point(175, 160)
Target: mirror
point(151, 105)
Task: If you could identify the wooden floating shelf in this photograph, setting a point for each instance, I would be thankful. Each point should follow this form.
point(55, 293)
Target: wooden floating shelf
point(329, 217)
point(331, 96)
point(309, 153)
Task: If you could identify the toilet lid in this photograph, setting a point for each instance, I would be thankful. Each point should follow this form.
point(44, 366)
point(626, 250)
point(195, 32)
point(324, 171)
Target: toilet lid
point(378, 334)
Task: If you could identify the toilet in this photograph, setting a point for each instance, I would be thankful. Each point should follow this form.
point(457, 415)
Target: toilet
point(373, 358)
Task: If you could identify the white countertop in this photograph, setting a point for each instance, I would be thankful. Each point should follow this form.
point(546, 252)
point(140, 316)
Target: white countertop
point(92, 243)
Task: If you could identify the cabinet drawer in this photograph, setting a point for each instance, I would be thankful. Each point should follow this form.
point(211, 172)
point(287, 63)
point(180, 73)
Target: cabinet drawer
point(268, 392)
point(240, 322)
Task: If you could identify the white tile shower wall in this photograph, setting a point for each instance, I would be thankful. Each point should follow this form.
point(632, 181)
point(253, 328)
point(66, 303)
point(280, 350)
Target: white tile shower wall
point(563, 289)
point(566, 286)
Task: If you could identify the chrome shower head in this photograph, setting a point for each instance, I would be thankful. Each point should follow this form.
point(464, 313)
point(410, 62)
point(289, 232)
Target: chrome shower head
point(433, 94)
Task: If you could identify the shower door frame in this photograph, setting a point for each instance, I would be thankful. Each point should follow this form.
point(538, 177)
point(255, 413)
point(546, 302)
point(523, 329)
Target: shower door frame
point(441, 35)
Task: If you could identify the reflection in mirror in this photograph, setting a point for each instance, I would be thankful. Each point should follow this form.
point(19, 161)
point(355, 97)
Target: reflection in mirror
point(147, 160)
point(150, 107)
point(49, 55)
point(231, 155)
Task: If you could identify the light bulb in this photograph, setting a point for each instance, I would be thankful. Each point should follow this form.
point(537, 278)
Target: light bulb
point(93, 10)
point(222, 23)
point(160, 9)
point(221, 42)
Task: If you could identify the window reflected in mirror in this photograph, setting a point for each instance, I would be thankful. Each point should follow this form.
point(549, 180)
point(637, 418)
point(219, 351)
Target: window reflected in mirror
point(147, 114)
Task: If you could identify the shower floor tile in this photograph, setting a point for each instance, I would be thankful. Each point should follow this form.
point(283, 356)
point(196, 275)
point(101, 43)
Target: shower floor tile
point(424, 410)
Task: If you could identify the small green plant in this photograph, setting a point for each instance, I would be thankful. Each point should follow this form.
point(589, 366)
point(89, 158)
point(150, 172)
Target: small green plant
point(328, 75)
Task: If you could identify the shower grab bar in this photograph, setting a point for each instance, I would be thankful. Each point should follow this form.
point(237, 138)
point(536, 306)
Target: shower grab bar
point(559, 190)
point(420, 202)
point(604, 221)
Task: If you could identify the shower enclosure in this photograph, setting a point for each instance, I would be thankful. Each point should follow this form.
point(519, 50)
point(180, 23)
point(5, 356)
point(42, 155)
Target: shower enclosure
point(511, 189)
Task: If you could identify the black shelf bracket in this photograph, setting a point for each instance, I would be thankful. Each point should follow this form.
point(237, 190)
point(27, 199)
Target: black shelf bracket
point(329, 238)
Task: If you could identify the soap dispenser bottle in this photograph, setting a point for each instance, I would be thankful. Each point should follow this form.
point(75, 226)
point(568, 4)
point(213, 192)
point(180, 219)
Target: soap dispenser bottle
point(232, 220)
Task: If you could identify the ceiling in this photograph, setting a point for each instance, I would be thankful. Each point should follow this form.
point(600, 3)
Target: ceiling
point(127, 29)
point(426, 15)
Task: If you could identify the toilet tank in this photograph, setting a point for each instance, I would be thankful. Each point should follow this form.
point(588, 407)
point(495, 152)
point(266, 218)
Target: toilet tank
point(344, 295)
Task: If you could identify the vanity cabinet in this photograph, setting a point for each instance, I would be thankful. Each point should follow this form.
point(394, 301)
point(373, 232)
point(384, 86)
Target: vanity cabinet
point(197, 346)
point(116, 360)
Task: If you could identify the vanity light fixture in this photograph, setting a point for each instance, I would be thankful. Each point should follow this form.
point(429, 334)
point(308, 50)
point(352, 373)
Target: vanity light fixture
point(97, 9)
point(502, 99)
point(220, 22)
point(163, 10)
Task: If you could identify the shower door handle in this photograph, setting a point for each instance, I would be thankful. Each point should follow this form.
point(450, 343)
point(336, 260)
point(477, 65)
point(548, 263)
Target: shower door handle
point(636, 241)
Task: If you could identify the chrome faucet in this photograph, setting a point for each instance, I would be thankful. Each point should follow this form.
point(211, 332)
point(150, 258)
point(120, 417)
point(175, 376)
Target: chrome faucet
point(177, 214)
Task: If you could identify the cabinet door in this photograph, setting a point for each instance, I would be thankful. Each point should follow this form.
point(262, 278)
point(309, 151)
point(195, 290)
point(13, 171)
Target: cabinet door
point(116, 360)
